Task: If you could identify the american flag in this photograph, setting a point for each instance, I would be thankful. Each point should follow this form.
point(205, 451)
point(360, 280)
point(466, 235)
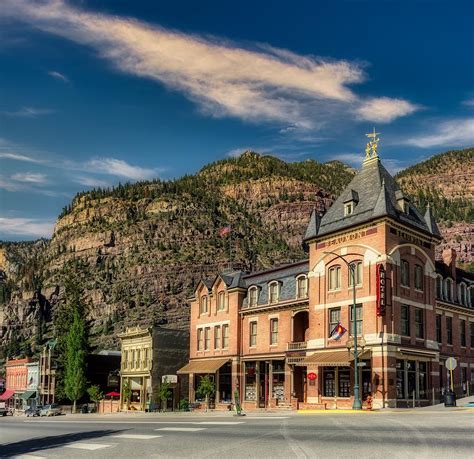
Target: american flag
point(225, 230)
point(338, 332)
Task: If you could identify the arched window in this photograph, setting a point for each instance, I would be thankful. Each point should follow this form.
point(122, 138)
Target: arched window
point(221, 301)
point(357, 266)
point(405, 273)
point(471, 303)
point(334, 275)
point(418, 277)
point(462, 294)
point(301, 287)
point(448, 289)
point(203, 306)
point(274, 292)
point(439, 287)
point(253, 296)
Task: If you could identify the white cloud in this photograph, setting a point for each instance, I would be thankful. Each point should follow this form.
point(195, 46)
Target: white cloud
point(120, 168)
point(20, 157)
point(58, 76)
point(354, 159)
point(30, 177)
point(29, 112)
point(260, 84)
point(91, 181)
point(384, 109)
point(451, 133)
point(31, 227)
point(469, 102)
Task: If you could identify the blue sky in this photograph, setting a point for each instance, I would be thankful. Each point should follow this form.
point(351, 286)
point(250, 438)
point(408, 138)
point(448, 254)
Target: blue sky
point(96, 92)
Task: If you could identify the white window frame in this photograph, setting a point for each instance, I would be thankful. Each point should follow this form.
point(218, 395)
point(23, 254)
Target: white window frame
point(359, 264)
point(419, 271)
point(220, 295)
point(337, 278)
point(204, 299)
point(253, 289)
point(301, 277)
point(348, 208)
point(252, 335)
point(277, 299)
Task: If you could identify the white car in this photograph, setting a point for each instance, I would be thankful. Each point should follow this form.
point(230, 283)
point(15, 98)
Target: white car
point(50, 410)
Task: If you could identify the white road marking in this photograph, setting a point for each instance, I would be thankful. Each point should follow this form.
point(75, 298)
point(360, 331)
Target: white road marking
point(136, 436)
point(267, 417)
point(27, 456)
point(88, 446)
point(219, 423)
point(182, 429)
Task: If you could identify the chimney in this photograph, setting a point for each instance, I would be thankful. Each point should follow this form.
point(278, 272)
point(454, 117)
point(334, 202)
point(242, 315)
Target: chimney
point(449, 258)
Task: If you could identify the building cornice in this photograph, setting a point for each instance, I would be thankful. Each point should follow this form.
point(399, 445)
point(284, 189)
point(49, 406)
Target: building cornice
point(302, 303)
point(440, 304)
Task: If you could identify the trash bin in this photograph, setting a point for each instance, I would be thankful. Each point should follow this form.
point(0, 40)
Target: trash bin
point(84, 409)
point(449, 399)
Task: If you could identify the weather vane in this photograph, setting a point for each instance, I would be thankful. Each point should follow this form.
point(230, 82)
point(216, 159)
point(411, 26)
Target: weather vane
point(372, 144)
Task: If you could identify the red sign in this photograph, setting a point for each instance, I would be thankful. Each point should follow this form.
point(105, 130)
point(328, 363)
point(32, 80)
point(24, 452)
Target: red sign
point(381, 290)
point(312, 376)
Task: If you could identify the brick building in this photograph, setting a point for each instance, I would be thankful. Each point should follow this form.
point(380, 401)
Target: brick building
point(264, 333)
point(16, 378)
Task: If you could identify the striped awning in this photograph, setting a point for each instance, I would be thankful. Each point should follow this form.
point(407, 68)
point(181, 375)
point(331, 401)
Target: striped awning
point(339, 358)
point(202, 366)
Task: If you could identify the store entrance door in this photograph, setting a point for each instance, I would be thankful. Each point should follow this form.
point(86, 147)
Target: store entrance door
point(263, 385)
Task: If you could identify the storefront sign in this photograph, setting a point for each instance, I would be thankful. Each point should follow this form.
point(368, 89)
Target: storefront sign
point(381, 290)
point(172, 379)
point(113, 380)
point(347, 238)
point(312, 376)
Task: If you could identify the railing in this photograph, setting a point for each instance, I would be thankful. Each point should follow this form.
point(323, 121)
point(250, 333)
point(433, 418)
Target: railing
point(301, 346)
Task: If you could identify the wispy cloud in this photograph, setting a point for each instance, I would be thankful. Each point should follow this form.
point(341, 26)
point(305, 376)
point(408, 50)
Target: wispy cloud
point(20, 157)
point(469, 102)
point(28, 112)
point(120, 168)
point(30, 227)
point(30, 177)
point(92, 181)
point(261, 84)
point(393, 165)
point(58, 76)
point(450, 133)
point(384, 109)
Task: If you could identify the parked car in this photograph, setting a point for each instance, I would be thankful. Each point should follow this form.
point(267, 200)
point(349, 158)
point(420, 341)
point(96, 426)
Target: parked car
point(4, 410)
point(33, 411)
point(50, 410)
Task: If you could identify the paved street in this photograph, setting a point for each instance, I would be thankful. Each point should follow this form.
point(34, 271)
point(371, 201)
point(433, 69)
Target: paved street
point(388, 434)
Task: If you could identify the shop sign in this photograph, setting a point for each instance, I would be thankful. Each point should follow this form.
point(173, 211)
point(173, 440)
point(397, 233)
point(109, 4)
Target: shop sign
point(113, 380)
point(172, 379)
point(312, 376)
point(381, 290)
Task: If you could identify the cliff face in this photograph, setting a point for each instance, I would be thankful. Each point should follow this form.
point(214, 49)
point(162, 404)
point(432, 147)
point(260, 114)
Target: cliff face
point(139, 249)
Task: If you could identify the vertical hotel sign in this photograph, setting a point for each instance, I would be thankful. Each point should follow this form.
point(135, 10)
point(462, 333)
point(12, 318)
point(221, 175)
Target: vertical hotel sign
point(381, 290)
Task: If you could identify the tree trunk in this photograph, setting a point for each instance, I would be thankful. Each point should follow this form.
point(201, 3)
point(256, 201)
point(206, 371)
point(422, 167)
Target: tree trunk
point(74, 407)
point(207, 402)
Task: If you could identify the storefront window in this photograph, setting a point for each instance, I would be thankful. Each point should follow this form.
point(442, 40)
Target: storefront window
point(329, 382)
point(412, 379)
point(225, 383)
point(344, 382)
point(422, 386)
point(251, 381)
point(278, 382)
point(400, 379)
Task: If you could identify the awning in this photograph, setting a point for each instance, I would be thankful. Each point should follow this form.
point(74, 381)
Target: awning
point(28, 394)
point(202, 366)
point(339, 358)
point(417, 354)
point(7, 394)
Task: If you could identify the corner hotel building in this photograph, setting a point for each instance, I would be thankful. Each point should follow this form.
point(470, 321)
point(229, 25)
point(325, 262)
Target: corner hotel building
point(267, 334)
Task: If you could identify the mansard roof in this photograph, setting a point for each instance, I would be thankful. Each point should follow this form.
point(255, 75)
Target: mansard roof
point(378, 194)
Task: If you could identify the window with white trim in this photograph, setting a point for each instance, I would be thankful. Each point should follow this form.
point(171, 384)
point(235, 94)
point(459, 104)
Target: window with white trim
point(302, 287)
point(348, 209)
point(253, 296)
point(357, 266)
point(225, 336)
point(203, 305)
point(334, 278)
point(221, 301)
point(207, 338)
point(448, 289)
point(199, 339)
point(462, 294)
point(418, 277)
point(405, 273)
point(253, 333)
point(217, 337)
point(274, 293)
point(273, 331)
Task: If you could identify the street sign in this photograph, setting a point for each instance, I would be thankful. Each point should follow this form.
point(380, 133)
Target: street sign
point(312, 376)
point(451, 363)
point(362, 364)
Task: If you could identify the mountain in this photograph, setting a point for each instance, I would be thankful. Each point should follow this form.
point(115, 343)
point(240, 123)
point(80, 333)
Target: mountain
point(138, 249)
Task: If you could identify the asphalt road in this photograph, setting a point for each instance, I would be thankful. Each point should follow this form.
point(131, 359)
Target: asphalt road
point(379, 435)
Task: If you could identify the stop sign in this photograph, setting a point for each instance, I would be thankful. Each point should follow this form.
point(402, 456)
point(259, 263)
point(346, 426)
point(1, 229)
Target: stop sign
point(451, 363)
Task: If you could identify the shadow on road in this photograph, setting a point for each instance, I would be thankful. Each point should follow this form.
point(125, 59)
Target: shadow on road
point(40, 443)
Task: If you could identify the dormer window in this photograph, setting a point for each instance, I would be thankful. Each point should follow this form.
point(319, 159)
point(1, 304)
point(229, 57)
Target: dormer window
point(302, 287)
point(348, 209)
point(274, 292)
point(448, 289)
point(221, 301)
point(203, 305)
point(350, 203)
point(403, 202)
point(253, 296)
point(462, 294)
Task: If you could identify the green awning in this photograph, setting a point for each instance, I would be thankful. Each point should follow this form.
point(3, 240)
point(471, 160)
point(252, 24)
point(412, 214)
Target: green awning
point(28, 394)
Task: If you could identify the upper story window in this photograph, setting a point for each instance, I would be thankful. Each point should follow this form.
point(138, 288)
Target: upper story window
point(418, 277)
point(462, 334)
point(449, 330)
point(273, 331)
point(419, 323)
point(358, 319)
point(348, 208)
point(439, 287)
point(207, 338)
point(217, 337)
point(334, 274)
point(334, 318)
point(471, 298)
point(357, 267)
point(439, 335)
point(199, 339)
point(405, 320)
point(405, 273)
point(253, 296)
point(203, 307)
point(274, 292)
point(302, 287)
point(448, 289)
point(253, 333)
point(462, 294)
point(225, 336)
point(221, 301)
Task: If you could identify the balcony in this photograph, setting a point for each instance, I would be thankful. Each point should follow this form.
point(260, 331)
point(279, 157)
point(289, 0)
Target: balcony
point(299, 346)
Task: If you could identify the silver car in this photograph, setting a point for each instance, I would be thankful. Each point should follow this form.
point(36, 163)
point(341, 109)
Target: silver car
point(50, 410)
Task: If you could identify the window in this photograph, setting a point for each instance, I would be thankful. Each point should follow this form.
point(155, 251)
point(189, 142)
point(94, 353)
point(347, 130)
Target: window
point(418, 277)
point(358, 319)
point(273, 288)
point(348, 208)
point(273, 331)
point(462, 294)
point(329, 381)
point(137, 362)
point(405, 320)
point(462, 325)
point(334, 318)
point(253, 296)
point(225, 336)
point(253, 333)
point(217, 337)
point(302, 287)
point(221, 301)
point(250, 381)
point(439, 287)
point(335, 278)
point(145, 357)
point(419, 323)
point(439, 335)
point(448, 294)
point(357, 267)
point(472, 336)
point(449, 330)
point(207, 338)
point(405, 273)
point(411, 379)
point(199, 339)
point(203, 306)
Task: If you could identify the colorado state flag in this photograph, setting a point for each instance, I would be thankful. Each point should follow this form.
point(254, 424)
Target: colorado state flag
point(338, 332)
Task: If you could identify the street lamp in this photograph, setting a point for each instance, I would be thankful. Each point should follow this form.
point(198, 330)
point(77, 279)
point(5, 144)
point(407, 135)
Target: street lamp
point(357, 405)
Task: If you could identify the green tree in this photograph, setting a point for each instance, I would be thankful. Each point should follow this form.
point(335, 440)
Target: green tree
point(75, 368)
point(162, 393)
point(127, 392)
point(206, 389)
point(95, 394)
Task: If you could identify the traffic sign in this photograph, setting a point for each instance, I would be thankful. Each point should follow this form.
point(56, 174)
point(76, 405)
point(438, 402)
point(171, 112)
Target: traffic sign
point(451, 363)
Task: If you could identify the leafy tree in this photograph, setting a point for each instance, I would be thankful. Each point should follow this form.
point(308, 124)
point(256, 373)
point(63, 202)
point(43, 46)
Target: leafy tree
point(206, 389)
point(162, 393)
point(75, 368)
point(127, 392)
point(95, 394)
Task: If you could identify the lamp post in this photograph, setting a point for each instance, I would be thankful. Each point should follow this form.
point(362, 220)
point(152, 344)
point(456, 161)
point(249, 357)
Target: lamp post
point(357, 404)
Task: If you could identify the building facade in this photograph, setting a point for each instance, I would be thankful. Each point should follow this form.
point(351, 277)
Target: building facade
point(16, 377)
point(47, 374)
point(148, 355)
point(268, 335)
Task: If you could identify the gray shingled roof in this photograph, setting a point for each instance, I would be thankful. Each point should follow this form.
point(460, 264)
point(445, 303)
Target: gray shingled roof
point(378, 193)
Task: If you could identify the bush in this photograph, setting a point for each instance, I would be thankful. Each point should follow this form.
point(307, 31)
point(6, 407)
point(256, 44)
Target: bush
point(184, 405)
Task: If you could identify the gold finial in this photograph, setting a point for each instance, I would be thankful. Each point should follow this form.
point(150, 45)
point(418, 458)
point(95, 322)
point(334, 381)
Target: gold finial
point(372, 144)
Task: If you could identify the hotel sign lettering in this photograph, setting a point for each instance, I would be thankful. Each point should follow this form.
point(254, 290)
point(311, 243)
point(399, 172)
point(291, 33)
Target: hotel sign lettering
point(346, 238)
point(381, 290)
